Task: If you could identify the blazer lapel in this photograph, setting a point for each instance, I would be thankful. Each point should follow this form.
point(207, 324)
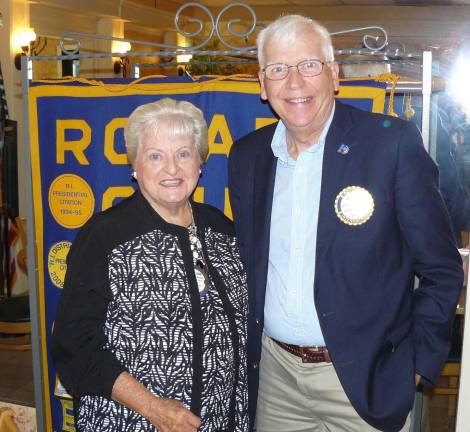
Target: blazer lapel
point(265, 173)
point(336, 165)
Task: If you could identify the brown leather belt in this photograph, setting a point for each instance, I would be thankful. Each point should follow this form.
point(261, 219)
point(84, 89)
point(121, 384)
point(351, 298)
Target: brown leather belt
point(307, 354)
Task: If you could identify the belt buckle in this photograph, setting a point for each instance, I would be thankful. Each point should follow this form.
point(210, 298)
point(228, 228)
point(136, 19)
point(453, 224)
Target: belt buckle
point(304, 351)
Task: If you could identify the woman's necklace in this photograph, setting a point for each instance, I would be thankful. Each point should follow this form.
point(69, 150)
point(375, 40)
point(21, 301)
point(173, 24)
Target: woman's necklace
point(200, 266)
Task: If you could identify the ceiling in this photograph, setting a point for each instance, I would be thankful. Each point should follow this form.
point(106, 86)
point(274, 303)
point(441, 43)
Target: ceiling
point(165, 4)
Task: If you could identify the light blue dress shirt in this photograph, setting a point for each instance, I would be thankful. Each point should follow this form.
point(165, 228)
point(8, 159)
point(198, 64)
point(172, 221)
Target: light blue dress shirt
point(289, 311)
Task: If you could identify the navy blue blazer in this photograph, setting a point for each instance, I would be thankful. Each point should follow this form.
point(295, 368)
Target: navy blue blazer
point(378, 329)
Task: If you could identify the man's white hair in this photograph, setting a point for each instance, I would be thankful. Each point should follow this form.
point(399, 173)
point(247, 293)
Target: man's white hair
point(286, 29)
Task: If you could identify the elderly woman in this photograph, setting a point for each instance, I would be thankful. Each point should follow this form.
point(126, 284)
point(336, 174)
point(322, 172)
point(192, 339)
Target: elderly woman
point(150, 332)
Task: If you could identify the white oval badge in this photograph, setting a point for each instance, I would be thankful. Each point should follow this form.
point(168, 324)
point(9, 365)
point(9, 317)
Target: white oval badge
point(354, 205)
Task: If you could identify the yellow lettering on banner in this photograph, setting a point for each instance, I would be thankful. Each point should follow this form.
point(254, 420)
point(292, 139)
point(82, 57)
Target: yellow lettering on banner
point(68, 421)
point(227, 206)
point(219, 126)
point(114, 192)
point(199, 194)
point(76, 147)
point(109, 133)
point(264, 121)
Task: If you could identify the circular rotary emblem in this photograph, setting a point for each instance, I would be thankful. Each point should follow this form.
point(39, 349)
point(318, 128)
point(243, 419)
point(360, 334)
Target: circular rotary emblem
point(354, 205)
point(71, 200)
point(56, 262)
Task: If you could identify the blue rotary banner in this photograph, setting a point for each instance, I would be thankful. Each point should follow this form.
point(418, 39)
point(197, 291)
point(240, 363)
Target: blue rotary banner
point(79, 167)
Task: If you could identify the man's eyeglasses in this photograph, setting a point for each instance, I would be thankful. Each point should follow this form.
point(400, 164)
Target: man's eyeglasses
point(306, 68)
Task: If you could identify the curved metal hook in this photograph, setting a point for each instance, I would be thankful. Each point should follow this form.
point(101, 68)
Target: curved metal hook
point(200, 24)
point(232, 22)
point(367, 37)
point(72, 40)
point(396, 49)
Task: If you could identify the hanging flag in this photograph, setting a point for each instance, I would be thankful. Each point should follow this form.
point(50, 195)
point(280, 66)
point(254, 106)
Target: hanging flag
point(9, 199)
point(10, 256)
point(9, 234)
point(3, 217)
point(3, 109)
point(68, 187)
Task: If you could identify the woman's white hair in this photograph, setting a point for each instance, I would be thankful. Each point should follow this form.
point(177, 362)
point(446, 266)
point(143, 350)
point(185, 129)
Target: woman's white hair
point(179, 119)
point(286, 29)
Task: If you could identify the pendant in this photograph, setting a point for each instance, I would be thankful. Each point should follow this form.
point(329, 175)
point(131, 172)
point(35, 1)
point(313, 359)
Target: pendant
point(201, 278)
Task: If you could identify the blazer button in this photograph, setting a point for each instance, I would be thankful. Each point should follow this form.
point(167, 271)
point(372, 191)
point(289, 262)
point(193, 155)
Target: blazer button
point(255, 365)
point(257, 321)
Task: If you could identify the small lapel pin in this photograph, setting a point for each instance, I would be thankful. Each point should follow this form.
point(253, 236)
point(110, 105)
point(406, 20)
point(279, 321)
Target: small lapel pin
point(343, 149)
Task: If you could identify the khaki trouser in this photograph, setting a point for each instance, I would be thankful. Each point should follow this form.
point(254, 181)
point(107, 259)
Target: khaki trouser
point(303, 397)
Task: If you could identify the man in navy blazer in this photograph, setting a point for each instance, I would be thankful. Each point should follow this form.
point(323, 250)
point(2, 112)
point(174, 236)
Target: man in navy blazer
point(337, 211)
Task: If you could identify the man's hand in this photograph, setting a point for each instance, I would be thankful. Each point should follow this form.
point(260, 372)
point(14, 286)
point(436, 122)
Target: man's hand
point(169, 415)
point(417, 378)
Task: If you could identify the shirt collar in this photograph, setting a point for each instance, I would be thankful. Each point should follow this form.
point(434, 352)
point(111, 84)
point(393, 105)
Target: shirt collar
point(279, 142)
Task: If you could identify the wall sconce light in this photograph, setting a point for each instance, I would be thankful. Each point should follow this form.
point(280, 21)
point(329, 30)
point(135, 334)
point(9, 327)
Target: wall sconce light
point(123, 63)
point(22, 38)
point(183, 60)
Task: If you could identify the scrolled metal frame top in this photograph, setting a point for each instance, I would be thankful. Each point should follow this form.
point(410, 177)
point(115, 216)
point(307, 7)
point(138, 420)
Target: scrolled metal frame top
point(375, 40)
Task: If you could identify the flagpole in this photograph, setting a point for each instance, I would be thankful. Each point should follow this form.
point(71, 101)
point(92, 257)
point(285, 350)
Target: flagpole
point(32, 259)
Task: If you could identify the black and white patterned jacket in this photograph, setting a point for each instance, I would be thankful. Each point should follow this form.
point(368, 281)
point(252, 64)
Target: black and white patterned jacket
point(131, 303)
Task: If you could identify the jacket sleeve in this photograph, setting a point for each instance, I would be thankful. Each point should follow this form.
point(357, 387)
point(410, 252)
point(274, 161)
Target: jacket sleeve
point(83, 363)
point(426, 227)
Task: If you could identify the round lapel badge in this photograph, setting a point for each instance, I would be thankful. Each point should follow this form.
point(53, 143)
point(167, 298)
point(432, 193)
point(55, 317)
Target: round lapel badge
point(354, 205)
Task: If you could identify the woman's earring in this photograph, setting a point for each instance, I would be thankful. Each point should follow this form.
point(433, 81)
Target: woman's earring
point(200, 171)
point(134, 175)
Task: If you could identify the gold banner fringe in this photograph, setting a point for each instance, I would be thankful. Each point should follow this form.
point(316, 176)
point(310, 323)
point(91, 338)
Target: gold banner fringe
point(117, 88)
point(393, 80)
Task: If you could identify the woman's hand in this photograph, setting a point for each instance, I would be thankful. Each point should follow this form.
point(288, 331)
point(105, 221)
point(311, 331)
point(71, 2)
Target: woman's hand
point(168, 415)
